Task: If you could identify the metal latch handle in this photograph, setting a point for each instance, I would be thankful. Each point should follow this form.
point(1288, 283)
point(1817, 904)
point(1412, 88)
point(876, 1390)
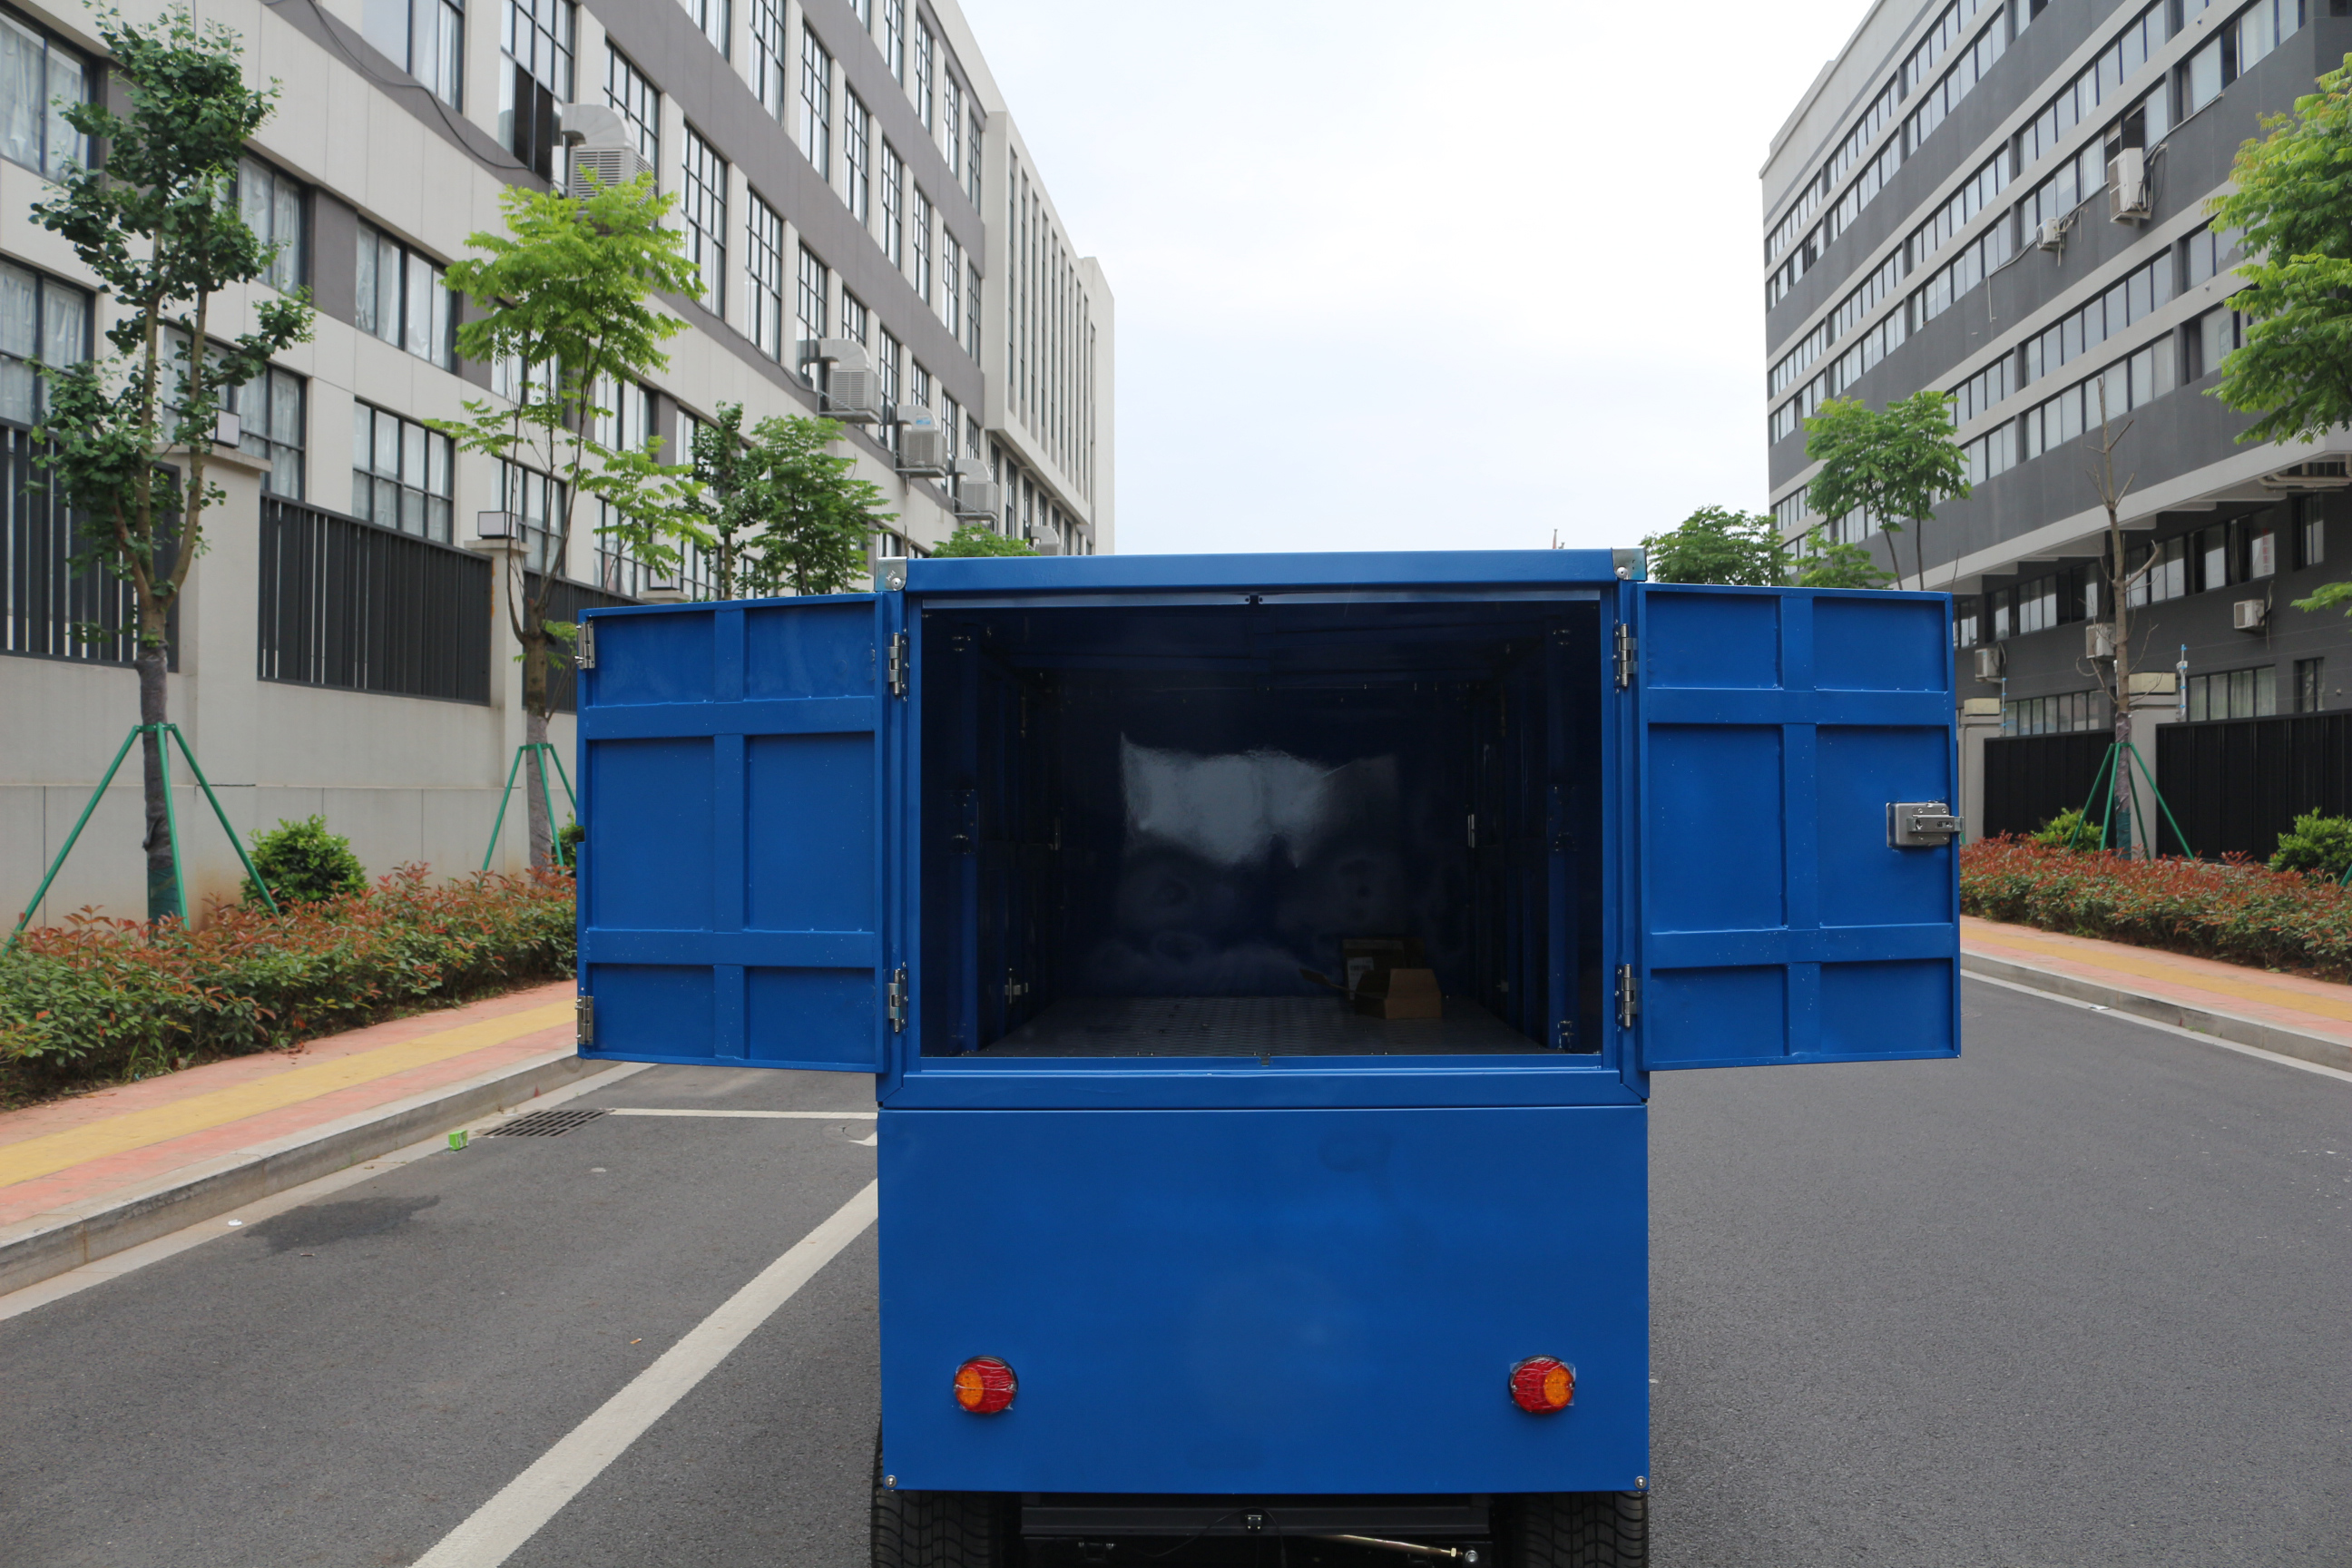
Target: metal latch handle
point(1920, 825)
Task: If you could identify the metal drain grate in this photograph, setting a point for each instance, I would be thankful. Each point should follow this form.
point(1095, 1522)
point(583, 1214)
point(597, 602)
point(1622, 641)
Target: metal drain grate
point(543, 1125)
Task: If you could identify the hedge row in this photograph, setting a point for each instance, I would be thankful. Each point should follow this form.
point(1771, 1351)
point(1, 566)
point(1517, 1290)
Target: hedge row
point(99, 1000)
point(2227, 909)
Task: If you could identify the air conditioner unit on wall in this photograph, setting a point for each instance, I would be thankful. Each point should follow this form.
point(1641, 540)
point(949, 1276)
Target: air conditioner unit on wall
point(2127, 195)
point(853, 396)
point(603, 150)
point(1989, 662)
point(923, 442)
point(979, 500)
point(2050, 235)
point(2098, 640)
point(2248, 614)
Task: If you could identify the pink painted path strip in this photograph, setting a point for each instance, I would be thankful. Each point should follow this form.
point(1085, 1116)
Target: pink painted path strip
point(92, 1116)
point(2319, 1007)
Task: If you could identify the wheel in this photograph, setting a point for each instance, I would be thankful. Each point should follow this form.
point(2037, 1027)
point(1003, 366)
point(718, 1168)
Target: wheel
point(937, 1530)
point(1573, 1529)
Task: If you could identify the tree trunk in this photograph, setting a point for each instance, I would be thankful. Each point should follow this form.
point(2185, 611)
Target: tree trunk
point(152, 664)
point(535, 784)
point(2119, 812)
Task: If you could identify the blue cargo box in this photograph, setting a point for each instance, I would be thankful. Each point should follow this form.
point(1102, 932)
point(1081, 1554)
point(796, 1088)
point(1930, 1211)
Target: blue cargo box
point(1071, 854)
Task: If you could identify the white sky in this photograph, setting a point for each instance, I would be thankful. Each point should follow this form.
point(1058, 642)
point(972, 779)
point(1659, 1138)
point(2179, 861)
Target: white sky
point(1403, 276)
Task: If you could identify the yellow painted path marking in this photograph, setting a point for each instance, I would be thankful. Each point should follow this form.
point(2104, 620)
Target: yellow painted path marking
point(2173, 974)
point(139, 1128)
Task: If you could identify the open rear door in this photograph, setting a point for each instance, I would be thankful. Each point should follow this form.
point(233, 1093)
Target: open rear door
point(737, 785)
point(1798, 878)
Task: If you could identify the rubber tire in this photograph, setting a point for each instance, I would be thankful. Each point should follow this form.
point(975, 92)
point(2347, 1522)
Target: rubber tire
point(937, 1530)
point(1573, 1529)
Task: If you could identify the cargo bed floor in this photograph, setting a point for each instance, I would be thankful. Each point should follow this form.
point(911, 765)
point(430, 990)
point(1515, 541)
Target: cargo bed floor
point(1254, 1027)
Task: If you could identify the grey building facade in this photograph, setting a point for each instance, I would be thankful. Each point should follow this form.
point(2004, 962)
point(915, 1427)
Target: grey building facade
point(2006, 199)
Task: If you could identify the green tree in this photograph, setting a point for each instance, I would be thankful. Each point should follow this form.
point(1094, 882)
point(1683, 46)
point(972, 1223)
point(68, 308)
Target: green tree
point(1895, 464)
point(157, 228)
point(562, 302)
point(979, 539)
point(2292, 204)
point(1719, 544)
point(732, 502)
point(816, 520)
point(1827, 564)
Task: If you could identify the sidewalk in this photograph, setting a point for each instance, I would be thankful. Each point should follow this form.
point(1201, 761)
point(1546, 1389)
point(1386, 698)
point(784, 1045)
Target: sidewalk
point(2307, 1019)
point(85, 1177)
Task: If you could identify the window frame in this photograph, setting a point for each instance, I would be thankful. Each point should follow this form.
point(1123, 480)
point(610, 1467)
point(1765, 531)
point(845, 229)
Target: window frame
point(428, 442)
point(42, 332)
point(702, 209)
point(50, 161)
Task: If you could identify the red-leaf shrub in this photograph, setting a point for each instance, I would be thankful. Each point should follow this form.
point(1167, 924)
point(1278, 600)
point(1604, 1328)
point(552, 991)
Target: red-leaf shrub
point(99, 1000)
point(2228, 909)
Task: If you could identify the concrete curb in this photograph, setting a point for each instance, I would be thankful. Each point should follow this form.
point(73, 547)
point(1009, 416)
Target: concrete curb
point(48, 1244)
point(2234, 1027)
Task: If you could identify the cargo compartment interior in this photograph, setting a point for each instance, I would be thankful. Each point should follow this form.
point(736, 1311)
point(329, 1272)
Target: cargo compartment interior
point(1148, 829)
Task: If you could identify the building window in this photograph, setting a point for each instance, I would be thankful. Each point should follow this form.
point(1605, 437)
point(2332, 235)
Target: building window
point(639, 101)
point(926, 53)
point(921, 236)
point(894, 206)
point(856, 154)
point(705, 211)
point(2309, 694)
point(401, 298)
point(2311, 537)
point(972, 158)
point(768, 55)
point(35, 73)
point(951, 283)
point(272, 207)
point(537, 501)
point(2166, 573)
point(808, 306)
point(894, 38)
point(853, 317)
point(624, 415)
point(951, 422)
point(43, 320)
point(269, 413)
point(714, 20)
point(764, 261)
point(2213, 558)
point(2262, 548)
point(2234, 694)
point(2065, 713)
point(887, 358)
point(538, 80)
point(816, 104)
point(971, 309)
point(919, 384)
point(427, 38)
point(400, 473)
point(952, 125)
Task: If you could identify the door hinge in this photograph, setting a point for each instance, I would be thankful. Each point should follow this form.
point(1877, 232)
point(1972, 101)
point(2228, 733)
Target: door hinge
point(583, 1011)
point(1629, 997)
point(897, 664)
point(1920, 824)
point(584, 645)
point(898, 995)
point(1624, 654)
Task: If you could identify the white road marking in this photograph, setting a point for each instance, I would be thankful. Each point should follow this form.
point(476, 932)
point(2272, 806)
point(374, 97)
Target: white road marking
point(132, 1258)
point(2285, 1061)
point(750, 1115)
point(500, 1527)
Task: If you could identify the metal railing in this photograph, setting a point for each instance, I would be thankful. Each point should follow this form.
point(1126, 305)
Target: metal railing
point(48, 608)
point(351, 605)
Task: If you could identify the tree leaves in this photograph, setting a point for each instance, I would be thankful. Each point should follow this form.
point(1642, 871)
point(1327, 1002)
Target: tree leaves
point(1719, 544)
point(1892, 466)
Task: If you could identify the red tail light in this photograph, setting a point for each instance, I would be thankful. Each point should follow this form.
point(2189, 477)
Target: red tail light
point(1543, 1385)
point(985, 1385)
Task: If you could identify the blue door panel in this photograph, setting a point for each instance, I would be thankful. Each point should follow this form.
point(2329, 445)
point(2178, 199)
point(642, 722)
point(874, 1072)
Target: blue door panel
point(1265, 1301)
point(651, 834)
point(1772, 729)
point(735, 767)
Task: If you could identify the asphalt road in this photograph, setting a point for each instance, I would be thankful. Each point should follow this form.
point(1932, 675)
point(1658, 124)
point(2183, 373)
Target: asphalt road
point(2079, 1298)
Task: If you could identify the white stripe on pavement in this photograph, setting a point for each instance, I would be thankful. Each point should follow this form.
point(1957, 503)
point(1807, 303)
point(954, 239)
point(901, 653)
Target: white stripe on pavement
point(756, 1115)
point(501, 1525)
